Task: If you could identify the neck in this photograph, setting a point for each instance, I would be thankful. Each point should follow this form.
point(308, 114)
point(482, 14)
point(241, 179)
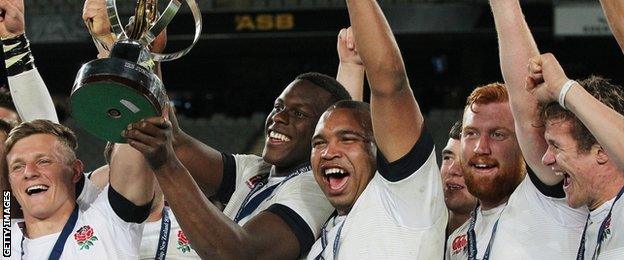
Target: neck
point(606, 193)
point(287, 170)
point(36, 227)
point(456, 220)
point(486, 205)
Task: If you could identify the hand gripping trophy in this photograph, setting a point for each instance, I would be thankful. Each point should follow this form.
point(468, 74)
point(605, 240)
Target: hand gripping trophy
point(110, 93)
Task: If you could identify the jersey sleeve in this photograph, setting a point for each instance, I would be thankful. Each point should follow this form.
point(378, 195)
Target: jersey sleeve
point(88, 192)
point(31, 97)
point(303, 206)
point(411, 187)
point(128, 238)
point(557, 208)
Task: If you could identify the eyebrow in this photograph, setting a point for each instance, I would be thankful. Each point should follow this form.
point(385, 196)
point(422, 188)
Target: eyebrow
point(344, 132)
point(318, 136)
point(488, 130)
point(300, 105)
point(447, 151)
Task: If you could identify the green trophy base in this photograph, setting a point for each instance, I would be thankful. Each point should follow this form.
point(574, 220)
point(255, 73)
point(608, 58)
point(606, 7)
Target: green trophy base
point(109, 94)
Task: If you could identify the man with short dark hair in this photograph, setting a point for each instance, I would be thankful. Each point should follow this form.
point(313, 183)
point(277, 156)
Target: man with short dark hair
point(377, 165)
point(456, 197)
point(274, 208)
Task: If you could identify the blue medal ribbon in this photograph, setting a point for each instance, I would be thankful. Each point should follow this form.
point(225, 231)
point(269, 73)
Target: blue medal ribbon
point(165, 230)
point(57, 250)
point(581, 252)
point(251, 204)
point(324, 240)
point(472, 237)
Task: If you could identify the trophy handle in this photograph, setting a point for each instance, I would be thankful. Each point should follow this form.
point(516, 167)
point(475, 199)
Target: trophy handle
point(113, 17)
point(162, 22)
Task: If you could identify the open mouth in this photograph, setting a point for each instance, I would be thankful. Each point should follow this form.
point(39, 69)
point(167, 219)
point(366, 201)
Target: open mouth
point(484, 167)
point(35, 189)
point(276, 137)
point(567, 181)
point(336, 177)
point(454, 187)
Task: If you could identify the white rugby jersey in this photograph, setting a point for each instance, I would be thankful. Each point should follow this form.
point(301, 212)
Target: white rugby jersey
point(400, 215)
point(88, 192)
point(98, 234)
point(613, 240)
point(531, 226)
point(178, 246)
point(299, 201)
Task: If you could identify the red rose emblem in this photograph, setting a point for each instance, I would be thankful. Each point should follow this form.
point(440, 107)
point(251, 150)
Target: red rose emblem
point(85, 237)
point(459, 242)
point(182, 237)
point(83, 234)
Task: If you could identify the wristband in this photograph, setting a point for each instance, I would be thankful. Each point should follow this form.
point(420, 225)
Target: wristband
point(17, 56)
point(564, 90)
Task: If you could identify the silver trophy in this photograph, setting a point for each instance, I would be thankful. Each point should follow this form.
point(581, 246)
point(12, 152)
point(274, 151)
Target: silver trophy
point(110, 93)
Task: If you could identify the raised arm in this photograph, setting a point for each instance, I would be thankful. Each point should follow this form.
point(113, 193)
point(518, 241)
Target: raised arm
point(516, 47)
point(212, 234)
point(30, 94)
point(350, 69)
point(614, 11)
point(130, 175)
point(606, 124)
point(397, 120)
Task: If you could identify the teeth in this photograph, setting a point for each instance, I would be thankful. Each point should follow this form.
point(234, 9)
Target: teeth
point(32, 189)
point(454, 187)
point(481, 165)
point(334, 170)
point(279, 136)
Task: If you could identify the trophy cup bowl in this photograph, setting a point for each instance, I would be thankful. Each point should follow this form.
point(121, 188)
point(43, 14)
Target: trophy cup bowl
point(111, 93)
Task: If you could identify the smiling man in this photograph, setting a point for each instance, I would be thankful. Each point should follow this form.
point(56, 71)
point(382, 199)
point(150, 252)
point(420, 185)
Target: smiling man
point(458, 200)
point(388, 201)
point(522, 214)
point(275, 209)
point(592, 176)
point(43, 170)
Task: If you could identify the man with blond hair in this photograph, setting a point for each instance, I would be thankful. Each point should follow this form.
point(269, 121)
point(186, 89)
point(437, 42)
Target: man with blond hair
point(43, 170)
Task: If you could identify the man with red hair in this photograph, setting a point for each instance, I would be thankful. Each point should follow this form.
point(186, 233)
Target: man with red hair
point(513, 203)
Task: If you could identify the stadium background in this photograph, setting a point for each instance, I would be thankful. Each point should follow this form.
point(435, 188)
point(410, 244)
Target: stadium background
point(251, 49)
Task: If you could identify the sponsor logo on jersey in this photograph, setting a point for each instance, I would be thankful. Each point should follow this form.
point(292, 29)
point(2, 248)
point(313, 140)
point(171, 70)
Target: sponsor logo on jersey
point(459, 244)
